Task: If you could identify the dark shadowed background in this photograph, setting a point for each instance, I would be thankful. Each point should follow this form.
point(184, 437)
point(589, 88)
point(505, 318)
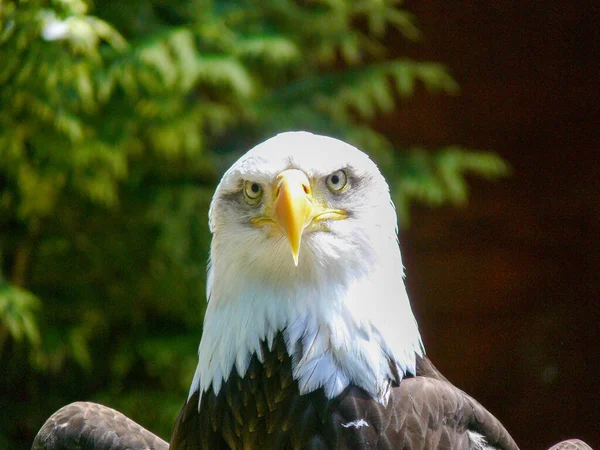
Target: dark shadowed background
point(506, 291)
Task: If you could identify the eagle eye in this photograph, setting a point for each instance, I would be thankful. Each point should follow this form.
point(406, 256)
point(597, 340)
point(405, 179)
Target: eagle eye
point(337, 181)
point(252, 191)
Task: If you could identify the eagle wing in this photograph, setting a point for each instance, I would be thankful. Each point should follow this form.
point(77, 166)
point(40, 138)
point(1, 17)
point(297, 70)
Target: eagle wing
point(425, 411)
point(428, 408)
point(86, 425)
point(433, 413)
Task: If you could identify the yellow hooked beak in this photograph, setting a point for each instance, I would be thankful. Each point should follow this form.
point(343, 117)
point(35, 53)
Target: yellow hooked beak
point(293, 206)
point(294, 209)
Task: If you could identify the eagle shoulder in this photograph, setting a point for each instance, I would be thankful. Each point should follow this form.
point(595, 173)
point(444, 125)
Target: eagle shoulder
point(428, 409)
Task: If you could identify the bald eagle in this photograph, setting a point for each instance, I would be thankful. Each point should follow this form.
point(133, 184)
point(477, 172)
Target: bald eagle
point(309, 339)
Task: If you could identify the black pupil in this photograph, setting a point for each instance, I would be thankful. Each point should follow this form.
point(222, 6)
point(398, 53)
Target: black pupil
point(255, 188)
point(335, 179)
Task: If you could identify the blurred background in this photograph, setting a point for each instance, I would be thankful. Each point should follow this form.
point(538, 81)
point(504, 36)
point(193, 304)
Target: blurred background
point(117, 120)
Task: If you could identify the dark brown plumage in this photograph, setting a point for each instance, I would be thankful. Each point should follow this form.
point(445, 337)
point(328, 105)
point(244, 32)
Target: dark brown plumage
point(86, 425)
point(571, 444)
point(265, 410)
point(90, 426)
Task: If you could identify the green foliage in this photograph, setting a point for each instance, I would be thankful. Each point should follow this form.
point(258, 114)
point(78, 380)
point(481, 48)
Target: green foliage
point(439, 178)
point(17, 313)
point(116, 119)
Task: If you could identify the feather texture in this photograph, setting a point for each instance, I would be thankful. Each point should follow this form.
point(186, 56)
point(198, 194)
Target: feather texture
point(264, 409)
point(90, 426)
point(571, 444)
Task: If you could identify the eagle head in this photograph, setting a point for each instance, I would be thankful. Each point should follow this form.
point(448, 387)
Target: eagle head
point(304, 243)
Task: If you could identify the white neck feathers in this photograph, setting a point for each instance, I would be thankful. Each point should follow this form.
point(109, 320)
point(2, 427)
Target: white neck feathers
point(353, 324)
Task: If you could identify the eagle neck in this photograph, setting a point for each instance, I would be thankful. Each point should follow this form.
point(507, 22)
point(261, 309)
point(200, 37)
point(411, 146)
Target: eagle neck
point(339, 331)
